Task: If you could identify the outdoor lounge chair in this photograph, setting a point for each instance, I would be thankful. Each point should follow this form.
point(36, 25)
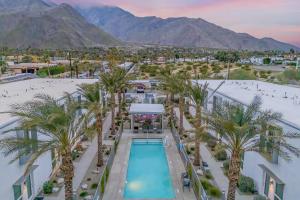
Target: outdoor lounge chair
point(136, 129)
point(186, 182)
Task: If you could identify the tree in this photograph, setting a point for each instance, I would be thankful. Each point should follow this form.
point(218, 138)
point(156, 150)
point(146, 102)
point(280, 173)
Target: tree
point(229, 57)
point(246, 129)
point(59, 127)
point(92, 103)
point(198, 94)
point(176, 84)
point(267, 61)
point(113, 82)
point(46, 59)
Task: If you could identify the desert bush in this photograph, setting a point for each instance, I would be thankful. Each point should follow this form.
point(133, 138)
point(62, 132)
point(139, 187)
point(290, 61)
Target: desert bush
point(48, 187)
point(246, 184)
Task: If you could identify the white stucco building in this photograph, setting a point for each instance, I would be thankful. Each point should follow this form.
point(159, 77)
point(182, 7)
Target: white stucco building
point(276, 178)
point(13, 184)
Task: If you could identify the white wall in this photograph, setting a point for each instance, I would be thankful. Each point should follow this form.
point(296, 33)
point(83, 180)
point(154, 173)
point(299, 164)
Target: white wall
point(287, 171)
point(10, 173)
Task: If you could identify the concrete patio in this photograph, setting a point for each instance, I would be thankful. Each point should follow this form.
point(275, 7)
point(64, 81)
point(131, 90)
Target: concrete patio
point(115, 187)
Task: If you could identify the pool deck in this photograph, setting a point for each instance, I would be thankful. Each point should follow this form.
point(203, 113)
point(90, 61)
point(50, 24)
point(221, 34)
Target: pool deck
point(115, 187)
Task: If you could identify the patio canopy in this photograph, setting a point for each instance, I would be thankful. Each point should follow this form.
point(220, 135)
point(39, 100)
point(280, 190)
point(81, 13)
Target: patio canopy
point(146, 109)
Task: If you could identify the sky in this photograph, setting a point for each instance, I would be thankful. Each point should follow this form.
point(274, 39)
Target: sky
point(279, 19)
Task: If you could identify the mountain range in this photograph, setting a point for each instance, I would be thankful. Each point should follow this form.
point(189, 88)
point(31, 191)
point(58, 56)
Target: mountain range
point(34, 23)
point(183, 31)
point(42, 24)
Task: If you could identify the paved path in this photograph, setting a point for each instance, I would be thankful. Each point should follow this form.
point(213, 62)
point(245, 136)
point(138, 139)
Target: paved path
point(214, 166)
point(186, 125)
point(82, 165)
point(115, 188)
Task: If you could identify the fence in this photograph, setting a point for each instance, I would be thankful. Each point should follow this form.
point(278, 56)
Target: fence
point(105, 174)
point(197, 187)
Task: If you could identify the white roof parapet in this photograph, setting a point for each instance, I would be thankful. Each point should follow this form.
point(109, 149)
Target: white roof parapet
point(147, 109)
point(278, 98)
point(22, 91)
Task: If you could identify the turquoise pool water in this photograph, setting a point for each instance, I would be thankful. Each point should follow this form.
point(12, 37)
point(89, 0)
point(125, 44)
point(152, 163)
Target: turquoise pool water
point(148, 175)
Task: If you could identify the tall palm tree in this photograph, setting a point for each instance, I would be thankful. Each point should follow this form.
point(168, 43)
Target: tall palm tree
point(112, 82)
point(181, 80)
point(242, 130)
point(198, 94)
point(168, 84)
point(93, 104)
point(59, 129)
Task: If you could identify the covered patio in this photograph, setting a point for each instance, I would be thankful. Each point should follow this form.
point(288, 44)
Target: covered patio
point(147, 118)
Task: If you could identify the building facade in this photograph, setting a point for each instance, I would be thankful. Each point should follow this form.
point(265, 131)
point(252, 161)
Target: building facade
point(274, 176)
point(15, 184)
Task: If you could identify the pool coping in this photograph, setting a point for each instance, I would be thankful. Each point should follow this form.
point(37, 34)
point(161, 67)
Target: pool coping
point(167, 159)
point(116, 184)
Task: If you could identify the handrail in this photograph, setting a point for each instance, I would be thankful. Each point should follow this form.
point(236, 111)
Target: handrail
point(199, 191)
point(100, 188)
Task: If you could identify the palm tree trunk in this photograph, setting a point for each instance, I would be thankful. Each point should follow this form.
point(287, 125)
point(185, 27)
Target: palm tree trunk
point(100, 148)
point(113, 125)
point(68, 171)
point(233, 174)
point(197, 135)
point(181, 111)
point(120, 103)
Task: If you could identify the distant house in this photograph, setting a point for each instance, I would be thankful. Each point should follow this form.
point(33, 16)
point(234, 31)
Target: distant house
point(160, 60)
point(29, 67)
point(257, 60)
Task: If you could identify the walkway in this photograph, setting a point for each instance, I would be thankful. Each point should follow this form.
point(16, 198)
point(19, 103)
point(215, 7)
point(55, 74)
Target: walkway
point(214, 166)
point(82, 165)
point(114, 189)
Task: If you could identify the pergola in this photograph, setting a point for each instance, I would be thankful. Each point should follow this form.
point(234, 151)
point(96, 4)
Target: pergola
point(147, 118)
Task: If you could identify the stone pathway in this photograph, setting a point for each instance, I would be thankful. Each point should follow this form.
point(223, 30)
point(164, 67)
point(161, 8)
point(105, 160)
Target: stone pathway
point(214, 166)
point(82, 165)
point(115, 187)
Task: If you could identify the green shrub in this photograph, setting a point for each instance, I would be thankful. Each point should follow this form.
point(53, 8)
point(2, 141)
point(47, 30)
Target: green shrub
point(259, 197)
point(208, 174)
point(206, 184)
point(226, 165)
point(242, 74)
point(53, 71)
point(211, 143)
point(246, 184)
point(83, 194)
point(221, 155)
point(48, 187)
point(215, 192)
point(94, 186)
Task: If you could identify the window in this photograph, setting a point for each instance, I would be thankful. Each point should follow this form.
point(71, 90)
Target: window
point(28, 185)
point(29, 149)
point(272, 189)
point(279, 192)
point(17, 192)
point(267, 183)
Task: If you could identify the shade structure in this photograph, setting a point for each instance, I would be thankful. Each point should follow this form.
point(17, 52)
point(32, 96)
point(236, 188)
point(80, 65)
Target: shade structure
point(147, 109)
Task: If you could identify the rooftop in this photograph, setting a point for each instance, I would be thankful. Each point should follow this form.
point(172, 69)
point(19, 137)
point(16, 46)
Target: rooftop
point(146, 109)
point(278, 98)
point(23, 91)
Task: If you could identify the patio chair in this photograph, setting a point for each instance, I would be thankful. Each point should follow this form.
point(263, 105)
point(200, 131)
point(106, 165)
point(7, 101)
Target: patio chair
point(186, 182)
point(136, 129)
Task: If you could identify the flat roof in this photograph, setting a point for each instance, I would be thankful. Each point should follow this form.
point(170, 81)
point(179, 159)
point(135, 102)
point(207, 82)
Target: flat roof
point(278, 98)
point(146, 109)
point(22, 91)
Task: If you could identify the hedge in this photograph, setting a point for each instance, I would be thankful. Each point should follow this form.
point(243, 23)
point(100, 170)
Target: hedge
point(246, 184)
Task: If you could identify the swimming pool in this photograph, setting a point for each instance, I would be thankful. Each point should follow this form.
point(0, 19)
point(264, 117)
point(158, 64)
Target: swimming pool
point(148, 173)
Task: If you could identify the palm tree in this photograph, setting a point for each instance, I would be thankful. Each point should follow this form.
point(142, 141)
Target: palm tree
point(93, 104)
point(198, 94)
point(59, 128)
point(242, 130)
point(113, 82)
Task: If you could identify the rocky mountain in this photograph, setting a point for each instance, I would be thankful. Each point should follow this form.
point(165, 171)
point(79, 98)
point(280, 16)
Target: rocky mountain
point(34, 23)
point(185, 32)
